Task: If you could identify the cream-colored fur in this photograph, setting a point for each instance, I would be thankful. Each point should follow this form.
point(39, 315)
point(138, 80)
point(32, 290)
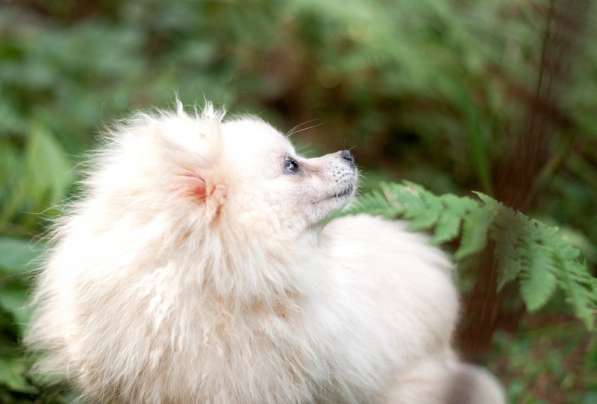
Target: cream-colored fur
point(196, 268)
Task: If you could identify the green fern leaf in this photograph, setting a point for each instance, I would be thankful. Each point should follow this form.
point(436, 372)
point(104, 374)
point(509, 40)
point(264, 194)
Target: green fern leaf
point(509, 258)
point(448, 227)
point(448, 224)
point(474, 232)
point(428, 213)
point(539, 282)
point(580, 299)
point(525, 249)
point(374, 203)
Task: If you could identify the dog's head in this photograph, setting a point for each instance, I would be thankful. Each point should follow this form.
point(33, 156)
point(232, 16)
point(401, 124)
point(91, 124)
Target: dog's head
point(239, 172)
point(268, 177)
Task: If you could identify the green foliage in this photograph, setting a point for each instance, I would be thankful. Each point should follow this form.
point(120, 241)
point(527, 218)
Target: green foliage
point(551, 352)
point(526, 249)
point(44, 177)
point(15, 256)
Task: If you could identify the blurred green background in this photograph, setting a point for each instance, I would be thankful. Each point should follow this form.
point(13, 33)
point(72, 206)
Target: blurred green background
point(447, 93)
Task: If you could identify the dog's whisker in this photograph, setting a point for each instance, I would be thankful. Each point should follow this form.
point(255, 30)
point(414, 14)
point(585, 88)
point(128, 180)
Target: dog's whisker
point(307, 128)
point(301, 127)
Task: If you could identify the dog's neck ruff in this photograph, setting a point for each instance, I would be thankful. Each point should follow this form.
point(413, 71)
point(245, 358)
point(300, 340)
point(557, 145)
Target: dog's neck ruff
point(243, 268)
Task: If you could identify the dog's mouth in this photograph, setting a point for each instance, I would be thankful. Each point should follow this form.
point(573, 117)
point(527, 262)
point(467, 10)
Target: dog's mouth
point(345, 193)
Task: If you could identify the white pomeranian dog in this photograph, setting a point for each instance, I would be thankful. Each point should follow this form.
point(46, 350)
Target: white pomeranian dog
point(197, 267)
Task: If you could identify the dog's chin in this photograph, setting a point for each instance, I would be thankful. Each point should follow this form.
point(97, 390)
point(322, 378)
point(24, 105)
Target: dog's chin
point(338, 196)
point(332, 202)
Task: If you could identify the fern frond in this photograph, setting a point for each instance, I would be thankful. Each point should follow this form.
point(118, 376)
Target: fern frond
point(374, 203)
point(448, 225)
point(526, 250)
point(538, 281)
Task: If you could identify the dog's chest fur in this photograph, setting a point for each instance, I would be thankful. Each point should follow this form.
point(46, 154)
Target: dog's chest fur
point(264, 352)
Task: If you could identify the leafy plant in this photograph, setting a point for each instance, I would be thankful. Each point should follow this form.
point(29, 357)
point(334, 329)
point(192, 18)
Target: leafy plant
point(526, 249)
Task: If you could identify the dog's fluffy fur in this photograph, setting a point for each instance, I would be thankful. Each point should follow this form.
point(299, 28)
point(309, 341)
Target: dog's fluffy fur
point(197, 268)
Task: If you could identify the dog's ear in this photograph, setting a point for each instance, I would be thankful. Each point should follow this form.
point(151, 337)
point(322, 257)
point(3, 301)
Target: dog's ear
point(198, 159)
point(206, 189)
point(203, 185)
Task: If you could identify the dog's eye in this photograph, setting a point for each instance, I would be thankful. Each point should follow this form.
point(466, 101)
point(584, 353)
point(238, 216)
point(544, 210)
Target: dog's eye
point(291, 166)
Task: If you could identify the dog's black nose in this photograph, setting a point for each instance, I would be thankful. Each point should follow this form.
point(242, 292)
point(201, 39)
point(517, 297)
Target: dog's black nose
point(347, 156)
